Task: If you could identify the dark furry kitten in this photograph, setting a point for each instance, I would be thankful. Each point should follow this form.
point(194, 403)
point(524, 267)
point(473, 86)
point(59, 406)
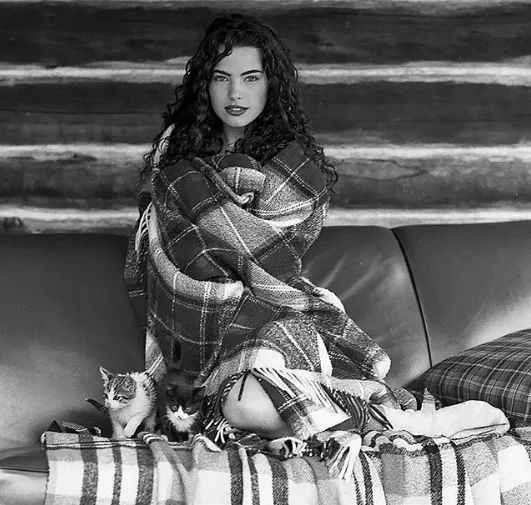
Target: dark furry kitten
point(180, 405)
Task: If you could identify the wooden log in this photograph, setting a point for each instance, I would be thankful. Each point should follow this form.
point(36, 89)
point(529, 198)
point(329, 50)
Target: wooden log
point(27, 219)
point(369, 177)
point(432, 176)
point(513, 73)
point(75, 175)
point(72, 33)
point(414, 6)
point(378, 112)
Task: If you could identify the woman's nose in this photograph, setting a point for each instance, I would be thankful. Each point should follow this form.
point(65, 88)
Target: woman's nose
point(235, 90)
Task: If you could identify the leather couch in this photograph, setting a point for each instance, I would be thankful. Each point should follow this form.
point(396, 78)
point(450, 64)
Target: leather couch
point(423, 292)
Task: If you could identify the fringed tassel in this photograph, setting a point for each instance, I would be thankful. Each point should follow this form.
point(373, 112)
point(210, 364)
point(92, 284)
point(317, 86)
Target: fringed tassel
point(296, 384)
point(357, 408)
point(377, 412)
point(142, 230)
point(219, 430)
point(340, 453)
point(155, 365)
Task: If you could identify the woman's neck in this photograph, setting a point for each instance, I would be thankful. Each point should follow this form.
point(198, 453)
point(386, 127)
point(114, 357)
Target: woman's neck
point(230, 137)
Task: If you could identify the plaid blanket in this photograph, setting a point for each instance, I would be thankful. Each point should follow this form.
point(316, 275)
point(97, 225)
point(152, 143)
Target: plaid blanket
point(393, 468)
point(214, 266)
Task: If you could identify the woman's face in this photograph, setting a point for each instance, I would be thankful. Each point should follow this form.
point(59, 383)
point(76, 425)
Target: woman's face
point(238, 90)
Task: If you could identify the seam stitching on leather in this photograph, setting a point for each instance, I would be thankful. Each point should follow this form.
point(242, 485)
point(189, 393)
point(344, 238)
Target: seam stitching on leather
point(419, 301)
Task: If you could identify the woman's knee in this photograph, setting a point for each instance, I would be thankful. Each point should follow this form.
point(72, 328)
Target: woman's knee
point(250, 409)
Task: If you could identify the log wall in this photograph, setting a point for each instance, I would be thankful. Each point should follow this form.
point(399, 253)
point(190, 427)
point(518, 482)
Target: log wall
point(423, 105)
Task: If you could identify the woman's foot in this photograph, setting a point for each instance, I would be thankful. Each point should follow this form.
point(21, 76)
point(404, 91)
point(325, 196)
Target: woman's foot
point(472, 417)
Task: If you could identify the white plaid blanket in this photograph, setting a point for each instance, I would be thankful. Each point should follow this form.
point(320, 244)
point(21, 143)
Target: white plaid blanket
point(393, 468)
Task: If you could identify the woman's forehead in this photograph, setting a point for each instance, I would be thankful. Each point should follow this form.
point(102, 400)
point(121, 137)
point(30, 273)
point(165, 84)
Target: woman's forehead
point(241, 59)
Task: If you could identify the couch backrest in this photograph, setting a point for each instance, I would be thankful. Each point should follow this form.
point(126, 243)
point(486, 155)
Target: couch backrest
point(64, 312)
point(365, 267)
point(473, 281)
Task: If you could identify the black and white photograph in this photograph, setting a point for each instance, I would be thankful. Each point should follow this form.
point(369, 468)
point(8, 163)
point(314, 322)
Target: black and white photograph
point(265, 252)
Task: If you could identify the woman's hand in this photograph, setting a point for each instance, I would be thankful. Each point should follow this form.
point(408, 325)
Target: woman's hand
point(327, 296)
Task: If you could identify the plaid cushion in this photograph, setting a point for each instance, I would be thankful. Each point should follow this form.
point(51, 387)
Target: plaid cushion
point(497, 372)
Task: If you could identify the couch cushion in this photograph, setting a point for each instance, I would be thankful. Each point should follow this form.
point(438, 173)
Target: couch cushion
point(473, 281)
point(63, 312)
point(497, 372)
point(365, 267)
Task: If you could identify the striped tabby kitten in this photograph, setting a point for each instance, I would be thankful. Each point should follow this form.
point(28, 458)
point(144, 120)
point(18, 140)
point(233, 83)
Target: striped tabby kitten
point(130, 400)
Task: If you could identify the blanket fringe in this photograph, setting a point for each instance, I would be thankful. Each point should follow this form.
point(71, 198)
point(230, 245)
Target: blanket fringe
point(142, 230)
point(297, 384)
point(221, 429)
point(341, 452)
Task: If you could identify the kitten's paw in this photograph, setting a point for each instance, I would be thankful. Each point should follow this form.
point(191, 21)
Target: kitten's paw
point(287, 447)
point(129, 431)
point(150, 425)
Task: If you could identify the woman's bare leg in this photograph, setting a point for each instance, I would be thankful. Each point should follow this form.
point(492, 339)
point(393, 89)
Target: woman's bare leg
point(254, 411)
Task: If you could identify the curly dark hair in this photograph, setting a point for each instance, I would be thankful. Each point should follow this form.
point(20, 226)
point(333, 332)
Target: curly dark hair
point(198, 130)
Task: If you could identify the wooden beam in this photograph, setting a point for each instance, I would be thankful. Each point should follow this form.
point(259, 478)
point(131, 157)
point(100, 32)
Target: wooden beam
point(370, 176)
point(391, 217)
point(366, 112)
point(25, 219)
point(511, 73)
point(431, 176)
point(441, 5)
point(75, 33)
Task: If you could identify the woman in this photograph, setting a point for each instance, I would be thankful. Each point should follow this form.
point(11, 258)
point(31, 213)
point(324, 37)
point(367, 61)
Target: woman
point(235, 191)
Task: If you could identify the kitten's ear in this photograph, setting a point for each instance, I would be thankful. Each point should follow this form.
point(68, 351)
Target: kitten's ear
point(106, 375)
point(177, 356)
point(199, 391)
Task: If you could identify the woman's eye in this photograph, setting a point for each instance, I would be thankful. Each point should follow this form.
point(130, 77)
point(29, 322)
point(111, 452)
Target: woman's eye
point(252, 78)
point(219, 78)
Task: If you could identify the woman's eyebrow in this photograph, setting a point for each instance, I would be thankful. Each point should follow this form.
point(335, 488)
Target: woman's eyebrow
point(254, 71)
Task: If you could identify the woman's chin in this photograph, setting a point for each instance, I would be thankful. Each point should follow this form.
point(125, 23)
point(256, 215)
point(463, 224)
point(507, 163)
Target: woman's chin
point(238, 122)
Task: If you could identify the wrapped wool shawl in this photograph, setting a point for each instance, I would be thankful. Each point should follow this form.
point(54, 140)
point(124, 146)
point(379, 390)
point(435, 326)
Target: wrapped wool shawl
point(215, 267)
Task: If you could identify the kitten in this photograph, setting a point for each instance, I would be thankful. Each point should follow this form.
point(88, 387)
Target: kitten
point(180, 405)
point(130, 399)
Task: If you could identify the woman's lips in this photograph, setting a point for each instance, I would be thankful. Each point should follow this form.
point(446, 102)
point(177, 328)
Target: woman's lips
point(233, 110)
